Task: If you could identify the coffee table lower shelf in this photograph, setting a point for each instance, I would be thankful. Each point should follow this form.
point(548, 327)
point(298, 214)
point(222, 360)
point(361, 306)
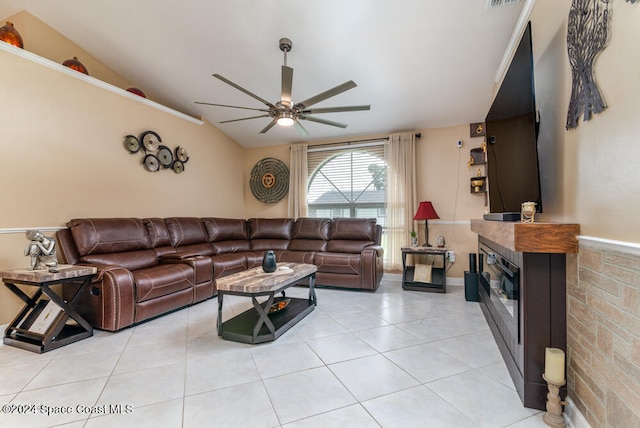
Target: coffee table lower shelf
point(241, 327)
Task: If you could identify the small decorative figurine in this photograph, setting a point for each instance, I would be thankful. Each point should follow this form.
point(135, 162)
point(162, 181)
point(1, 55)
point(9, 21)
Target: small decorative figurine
point(42, 251)
point(528, 212)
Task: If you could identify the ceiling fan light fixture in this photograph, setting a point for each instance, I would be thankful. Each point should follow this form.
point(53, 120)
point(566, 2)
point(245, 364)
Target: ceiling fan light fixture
point(284, 112)
point(285, 118)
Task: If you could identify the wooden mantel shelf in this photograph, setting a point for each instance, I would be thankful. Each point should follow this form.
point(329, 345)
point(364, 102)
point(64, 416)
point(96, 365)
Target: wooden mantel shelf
point(538, 237)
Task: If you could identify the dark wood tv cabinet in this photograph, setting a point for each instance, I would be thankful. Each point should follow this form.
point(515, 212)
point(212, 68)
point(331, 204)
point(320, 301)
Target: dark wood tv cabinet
point(539, 250)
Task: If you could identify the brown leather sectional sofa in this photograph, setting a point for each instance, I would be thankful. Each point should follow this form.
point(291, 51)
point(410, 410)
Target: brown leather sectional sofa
point(148, 267)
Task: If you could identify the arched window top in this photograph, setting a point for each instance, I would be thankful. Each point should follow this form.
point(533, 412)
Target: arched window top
point(348, 183)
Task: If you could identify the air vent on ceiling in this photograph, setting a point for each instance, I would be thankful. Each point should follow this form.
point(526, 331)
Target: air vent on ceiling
point(496, 3)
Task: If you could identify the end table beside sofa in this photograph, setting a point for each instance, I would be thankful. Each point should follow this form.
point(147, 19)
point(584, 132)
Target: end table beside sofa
point(149, 267)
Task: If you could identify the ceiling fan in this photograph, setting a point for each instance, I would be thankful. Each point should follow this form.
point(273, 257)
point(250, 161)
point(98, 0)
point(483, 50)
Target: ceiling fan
point(284, 112)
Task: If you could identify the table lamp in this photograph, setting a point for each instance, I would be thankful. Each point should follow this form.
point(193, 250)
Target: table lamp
point(426, 212)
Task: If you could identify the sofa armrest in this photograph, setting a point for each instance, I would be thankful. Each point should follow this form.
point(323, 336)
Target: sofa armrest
point(372, 267)
point(108, 303)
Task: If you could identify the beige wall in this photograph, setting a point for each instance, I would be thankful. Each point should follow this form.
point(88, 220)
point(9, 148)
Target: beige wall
point(62, 141)
point(443, 177)
point(598, 160)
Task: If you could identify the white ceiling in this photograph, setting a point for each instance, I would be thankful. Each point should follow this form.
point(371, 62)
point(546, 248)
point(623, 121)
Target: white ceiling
point(418, 63)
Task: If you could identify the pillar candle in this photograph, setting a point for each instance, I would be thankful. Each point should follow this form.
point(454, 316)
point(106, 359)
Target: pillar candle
point(554, 366)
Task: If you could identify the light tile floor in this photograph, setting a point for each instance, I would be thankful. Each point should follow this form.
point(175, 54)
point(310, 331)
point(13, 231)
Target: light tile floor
point(392, 358)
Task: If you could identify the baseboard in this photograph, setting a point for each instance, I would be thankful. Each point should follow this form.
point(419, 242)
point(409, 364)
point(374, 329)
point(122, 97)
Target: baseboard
point(573, 417)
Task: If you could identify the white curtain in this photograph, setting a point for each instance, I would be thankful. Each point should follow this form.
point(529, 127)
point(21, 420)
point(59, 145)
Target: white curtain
point(298, 176)
point(399, 154)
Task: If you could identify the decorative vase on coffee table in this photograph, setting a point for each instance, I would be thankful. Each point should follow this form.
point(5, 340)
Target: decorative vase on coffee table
point(269, 262)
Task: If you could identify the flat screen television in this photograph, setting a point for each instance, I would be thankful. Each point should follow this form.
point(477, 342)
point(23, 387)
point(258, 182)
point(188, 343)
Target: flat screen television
point(513, 174)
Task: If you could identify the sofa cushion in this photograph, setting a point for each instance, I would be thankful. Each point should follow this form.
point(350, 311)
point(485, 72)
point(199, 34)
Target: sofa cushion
point(185, 231)
point(108, 235)
point(342, 263)
point(296, 256)
point(351, 235)
point(162, 280)
point(226, 264)
point(225, 229)
point(158, 232)
point(270, 233)
point(310, 234)
point(360, 229)
point(311, 228)
point(227, 235)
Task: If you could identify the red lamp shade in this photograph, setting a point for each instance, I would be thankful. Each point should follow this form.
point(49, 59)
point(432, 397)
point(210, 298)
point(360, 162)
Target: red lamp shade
point(426, 212)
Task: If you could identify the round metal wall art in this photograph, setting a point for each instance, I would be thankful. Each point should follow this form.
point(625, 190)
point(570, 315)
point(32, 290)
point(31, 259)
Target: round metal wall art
point(269, 180)
point(156, 156)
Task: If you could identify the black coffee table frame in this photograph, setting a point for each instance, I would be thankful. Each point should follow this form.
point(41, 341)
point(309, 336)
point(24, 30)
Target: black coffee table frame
point(256, 325)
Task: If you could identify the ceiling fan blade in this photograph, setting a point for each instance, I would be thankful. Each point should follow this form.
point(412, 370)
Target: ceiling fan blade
point(323, 121)
point(336, 109)
point(240, 88)
point(244, 118)
point(226, 105)
point(269, 126)
point(326, 94)
point(287, 83)
point(301, 128)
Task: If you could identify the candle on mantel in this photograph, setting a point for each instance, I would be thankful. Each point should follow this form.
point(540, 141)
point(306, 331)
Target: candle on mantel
point(554, 366)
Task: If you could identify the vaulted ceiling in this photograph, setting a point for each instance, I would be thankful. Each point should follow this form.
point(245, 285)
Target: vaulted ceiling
point(419, 63)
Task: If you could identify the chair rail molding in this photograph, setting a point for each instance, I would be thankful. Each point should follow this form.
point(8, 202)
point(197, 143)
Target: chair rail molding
point(610, 244)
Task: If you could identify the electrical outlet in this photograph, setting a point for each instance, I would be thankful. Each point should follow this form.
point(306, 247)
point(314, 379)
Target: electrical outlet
point(451, 256)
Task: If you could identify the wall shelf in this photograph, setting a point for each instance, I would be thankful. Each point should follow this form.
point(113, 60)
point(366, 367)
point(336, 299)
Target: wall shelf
point(93, 81)
point(477, 158)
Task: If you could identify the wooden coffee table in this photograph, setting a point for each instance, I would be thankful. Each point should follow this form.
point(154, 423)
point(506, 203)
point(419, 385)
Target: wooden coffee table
point(268, 320)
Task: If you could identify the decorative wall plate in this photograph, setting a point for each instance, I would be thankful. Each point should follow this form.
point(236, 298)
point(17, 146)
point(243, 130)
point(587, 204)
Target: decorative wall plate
point(165, 156)
point(151, 163)
point(181, 154)
point(150, 141)
point(178, 167)
point(132, 144)
point(269, 180)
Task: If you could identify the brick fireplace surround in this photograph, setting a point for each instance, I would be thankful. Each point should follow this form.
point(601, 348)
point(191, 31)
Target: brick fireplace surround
point(603, 333)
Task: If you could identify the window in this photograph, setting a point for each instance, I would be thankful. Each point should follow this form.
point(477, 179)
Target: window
point(347, 182)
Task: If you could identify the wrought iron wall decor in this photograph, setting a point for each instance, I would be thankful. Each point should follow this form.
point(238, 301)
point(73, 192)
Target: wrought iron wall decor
point(587, 32)
point(269, 180)
point(156, 154)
